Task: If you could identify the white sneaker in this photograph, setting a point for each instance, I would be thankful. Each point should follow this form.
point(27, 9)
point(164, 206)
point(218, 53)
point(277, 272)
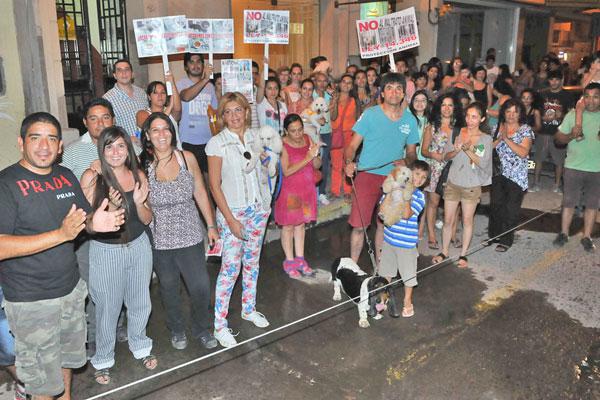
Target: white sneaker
point(323, 199)
point(257, 319)
point(225, 337)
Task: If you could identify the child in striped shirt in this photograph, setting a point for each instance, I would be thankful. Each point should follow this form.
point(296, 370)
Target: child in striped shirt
point(399, 251)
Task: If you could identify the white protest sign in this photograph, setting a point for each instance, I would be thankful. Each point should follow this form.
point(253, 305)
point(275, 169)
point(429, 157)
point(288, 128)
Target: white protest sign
point(267, 27)
point(388, 34)
point(210, 36)
point(236, 76)
point(148, 36)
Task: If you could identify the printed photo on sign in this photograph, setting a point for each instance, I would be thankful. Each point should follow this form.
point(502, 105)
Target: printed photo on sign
point(175, 34)
point(222, 30)
point(199, 35)
point(237, 77)
point(148, 36)
point(266, 26)
point(210, 35)
point(387, 34)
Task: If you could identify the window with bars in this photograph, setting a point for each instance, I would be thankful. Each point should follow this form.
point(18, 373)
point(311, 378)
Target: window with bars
point(113, 36)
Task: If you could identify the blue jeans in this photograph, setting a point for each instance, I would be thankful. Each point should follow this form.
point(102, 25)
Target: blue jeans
point(7, 341)
point(325, 162)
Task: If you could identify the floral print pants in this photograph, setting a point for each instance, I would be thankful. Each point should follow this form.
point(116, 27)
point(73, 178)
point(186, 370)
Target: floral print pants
point(238, 254)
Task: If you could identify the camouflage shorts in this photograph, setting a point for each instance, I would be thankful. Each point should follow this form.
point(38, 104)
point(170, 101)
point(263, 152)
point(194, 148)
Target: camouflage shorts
point(49, 335)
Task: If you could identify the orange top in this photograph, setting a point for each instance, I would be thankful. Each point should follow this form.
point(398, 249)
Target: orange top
point(349, 117)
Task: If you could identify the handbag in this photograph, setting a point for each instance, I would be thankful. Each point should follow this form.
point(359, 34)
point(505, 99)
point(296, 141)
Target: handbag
point(439, 189)
point(337, 135)
point(496, 163)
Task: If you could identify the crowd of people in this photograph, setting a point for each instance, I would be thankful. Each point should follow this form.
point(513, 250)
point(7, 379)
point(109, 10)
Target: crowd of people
point(150, 185)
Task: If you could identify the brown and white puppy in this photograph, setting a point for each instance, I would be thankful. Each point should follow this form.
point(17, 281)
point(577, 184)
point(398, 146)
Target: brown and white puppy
point(398, 189)
point(362, 288)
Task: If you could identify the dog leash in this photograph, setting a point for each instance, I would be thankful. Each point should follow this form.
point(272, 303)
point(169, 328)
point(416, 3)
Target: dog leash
point(279, 174)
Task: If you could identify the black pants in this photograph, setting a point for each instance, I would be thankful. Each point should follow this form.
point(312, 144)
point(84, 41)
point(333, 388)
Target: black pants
point(189, 263)
point(505, 206)
point(199, 152)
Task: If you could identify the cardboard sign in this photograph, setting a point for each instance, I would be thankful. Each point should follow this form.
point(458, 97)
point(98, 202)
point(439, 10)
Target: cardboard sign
point(236, 76)
point(388, 34)
point(210, 36)
point(158, 36)
point(266, 26)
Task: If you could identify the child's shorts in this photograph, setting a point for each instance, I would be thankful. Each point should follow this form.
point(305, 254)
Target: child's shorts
point(397, 259)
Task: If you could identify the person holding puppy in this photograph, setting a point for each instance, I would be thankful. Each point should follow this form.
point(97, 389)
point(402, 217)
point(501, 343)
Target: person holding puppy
point(399, 249)
point(297, 203)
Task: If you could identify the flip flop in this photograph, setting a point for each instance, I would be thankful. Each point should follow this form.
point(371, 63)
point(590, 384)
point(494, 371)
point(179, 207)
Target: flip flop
point(408, 312)
point(433, 245)
point(150, 362)
point(502, 248)
point(441, 257)
point(102, 376)
point(463, 262)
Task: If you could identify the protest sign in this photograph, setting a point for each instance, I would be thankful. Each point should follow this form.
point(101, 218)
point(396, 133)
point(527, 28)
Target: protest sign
point(210, 36)
point(148, 36)
point(236, 76)
point(387, 34)
point(267, 27)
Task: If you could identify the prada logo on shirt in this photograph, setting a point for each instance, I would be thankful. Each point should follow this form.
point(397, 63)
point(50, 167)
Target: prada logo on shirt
point(34, 186)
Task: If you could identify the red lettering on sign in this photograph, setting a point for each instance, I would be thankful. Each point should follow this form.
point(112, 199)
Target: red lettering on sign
point(369, 25)
point(254, 15)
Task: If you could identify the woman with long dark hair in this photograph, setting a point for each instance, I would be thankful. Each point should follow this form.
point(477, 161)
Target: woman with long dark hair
point(177, 192)
point(533, 113)
point(159, 101)
point(446, 116)
point(452, 76)
point(120, 262)
point(503, 91)
point(512, 140)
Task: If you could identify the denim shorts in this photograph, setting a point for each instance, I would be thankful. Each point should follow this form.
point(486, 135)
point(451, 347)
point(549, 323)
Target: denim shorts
point(7, 341)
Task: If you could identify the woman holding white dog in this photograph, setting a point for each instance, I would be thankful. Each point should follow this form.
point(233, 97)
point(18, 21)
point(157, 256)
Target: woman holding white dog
point(242, 212)
point(297, 202)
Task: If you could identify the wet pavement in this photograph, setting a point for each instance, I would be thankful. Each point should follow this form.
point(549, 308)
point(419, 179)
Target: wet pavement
point(512, 326)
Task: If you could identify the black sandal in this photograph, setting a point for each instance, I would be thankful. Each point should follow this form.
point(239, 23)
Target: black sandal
point(440, 255)
point(148, 360)
point(465, 260)
point(502, 248)
point(102, 376)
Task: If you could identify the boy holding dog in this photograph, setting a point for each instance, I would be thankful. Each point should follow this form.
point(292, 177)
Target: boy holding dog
point(399, 250)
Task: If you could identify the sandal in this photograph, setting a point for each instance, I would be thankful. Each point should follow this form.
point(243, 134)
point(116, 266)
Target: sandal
point(456, 243)
point(102, 376)
point(303, 267)
point(440, 258)
point(408, 312)
point(291, 268)
point(502, 248)
point(150, 362)
point(434, 245)
point(463, 262)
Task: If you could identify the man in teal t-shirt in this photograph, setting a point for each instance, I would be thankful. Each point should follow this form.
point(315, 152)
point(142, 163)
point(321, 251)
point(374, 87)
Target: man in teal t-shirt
point(580, 130)
point(389, 135)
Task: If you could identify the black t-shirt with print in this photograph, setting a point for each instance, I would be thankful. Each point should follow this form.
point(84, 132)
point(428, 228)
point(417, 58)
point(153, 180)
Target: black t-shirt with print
point(556, 105)
point(32, 204)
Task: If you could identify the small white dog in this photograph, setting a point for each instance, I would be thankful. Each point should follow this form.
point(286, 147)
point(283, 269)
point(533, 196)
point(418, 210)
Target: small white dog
point(267, 140)
point(315, 117)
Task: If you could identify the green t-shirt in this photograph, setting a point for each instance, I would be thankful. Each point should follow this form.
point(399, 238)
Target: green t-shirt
point(583, 155)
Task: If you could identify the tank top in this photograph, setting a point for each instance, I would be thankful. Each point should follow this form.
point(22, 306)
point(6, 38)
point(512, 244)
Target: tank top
point(176, 223)
point(130, 230)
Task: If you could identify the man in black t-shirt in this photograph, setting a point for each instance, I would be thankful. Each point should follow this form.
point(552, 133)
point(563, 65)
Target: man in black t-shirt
point(557, 103)
point(44, 210)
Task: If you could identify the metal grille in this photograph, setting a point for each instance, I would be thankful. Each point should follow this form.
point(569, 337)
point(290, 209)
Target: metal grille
point(113, 36)
point(75, 57)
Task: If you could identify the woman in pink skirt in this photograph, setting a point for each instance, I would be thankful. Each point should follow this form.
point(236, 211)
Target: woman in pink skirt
point(297, 202)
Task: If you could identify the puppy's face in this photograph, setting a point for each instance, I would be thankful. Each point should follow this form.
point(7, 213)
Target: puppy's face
point(402, 175)
point(319, 105)
point(378, 301)
point(266, 135)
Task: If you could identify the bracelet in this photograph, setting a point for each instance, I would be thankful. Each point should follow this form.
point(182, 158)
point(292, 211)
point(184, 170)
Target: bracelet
point(211, 227)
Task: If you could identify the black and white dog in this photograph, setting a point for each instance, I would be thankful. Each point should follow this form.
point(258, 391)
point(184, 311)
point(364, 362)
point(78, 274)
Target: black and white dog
point(355, 282)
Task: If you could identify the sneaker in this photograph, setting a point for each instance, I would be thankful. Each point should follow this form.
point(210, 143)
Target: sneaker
point(207, 340)
point(588, 245)
point(303, 267)
point(256, 318)
point(323, 199)
point(534, 188)
point(20, 393)
point(557, 189)
point(225, 337)
point(561, 240)
point(179, 342)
